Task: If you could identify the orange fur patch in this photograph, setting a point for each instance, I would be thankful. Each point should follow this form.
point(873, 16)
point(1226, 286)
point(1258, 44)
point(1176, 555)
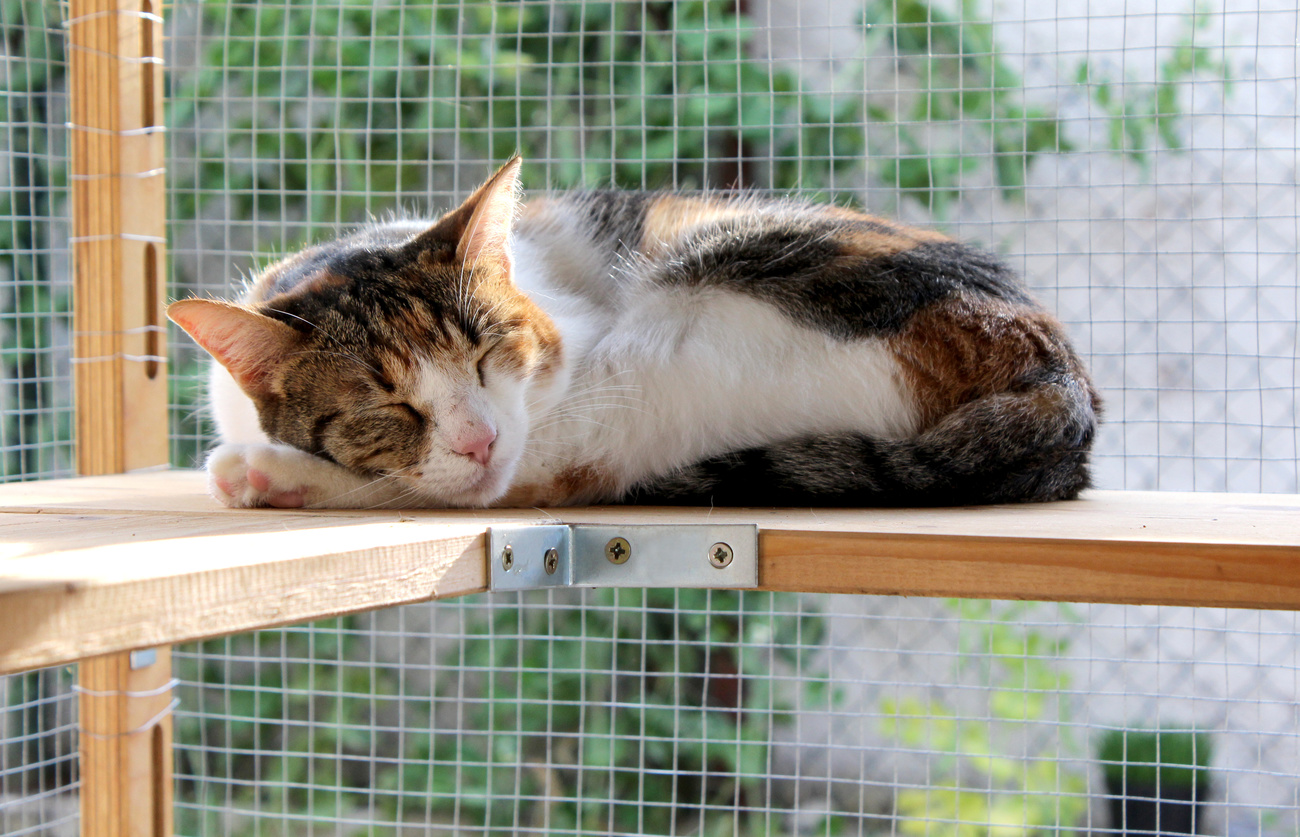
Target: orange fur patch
point(575, 485)
point(583, 483)
point(536, 350)
point(962, 349)
point(884, 239)
point(669, 218)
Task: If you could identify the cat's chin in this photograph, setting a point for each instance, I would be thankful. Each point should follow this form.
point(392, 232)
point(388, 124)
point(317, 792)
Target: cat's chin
point(479, 492)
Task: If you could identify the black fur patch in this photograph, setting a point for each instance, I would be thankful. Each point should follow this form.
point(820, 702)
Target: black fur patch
point(618, 217)
point(809, 276)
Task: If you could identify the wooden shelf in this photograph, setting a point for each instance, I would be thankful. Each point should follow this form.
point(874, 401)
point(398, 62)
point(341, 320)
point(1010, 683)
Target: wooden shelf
point(102, 564)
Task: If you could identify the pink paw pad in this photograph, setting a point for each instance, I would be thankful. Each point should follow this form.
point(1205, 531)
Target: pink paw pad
point(259, 480)
point(224, 486)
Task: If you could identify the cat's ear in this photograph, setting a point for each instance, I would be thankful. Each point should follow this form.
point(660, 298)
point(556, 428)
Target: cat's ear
point(480, 227)
point(250, 345)
point(495, 204)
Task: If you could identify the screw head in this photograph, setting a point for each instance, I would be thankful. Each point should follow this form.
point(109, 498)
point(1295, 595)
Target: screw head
point(618, 550)
point(720, 555)
point(551, 561)
point(507, 557)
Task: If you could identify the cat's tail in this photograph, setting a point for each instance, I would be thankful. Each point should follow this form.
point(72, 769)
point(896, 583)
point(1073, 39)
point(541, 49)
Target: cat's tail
point(1027, 445)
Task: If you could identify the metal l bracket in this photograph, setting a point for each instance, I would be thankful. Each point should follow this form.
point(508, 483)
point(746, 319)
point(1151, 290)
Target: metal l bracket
point(653, 555)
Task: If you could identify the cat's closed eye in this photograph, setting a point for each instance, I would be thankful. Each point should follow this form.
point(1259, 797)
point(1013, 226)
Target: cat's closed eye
point(409, 412)
point(481, 366)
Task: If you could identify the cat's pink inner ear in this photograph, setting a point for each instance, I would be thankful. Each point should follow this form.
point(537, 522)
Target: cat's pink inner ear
point(248, 344)
point(487, 233)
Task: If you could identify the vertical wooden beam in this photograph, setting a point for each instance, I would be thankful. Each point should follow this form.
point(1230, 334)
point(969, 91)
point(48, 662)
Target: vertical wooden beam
point(118, 233)
point(126, 744)
point(116, 152)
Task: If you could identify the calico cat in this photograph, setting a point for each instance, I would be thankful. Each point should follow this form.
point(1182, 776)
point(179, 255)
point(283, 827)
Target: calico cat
point(610, 347)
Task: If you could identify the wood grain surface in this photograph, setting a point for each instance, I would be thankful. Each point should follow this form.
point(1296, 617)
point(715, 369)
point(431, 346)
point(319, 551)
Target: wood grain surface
point(102, 564)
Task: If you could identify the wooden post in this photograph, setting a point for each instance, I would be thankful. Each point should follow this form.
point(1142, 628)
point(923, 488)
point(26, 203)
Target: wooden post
point(118, 241)
point(118, 234)
point(126, 744)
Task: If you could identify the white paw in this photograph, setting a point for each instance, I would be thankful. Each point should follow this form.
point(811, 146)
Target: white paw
point(253, 476)
point(256, 476)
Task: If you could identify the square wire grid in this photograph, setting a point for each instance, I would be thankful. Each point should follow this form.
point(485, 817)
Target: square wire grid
point(1138, 163)
point(710, 712)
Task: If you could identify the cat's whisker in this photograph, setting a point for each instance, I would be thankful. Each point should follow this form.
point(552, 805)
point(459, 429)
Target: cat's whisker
point(603, 406)
point(585, 420)
point(308, 322)
point(618, 390)
point(614, 393)
point(487, 314)
point(408, 492)
point(602, 400)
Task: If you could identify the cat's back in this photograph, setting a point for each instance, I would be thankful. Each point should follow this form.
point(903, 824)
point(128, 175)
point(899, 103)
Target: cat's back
point(831, 268)
point(659, 224)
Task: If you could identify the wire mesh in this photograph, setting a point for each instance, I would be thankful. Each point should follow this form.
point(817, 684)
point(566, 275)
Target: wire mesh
point(38, 757)
point(694, 712)
point(1138, 163)
point(38, 754)
point(35, 288)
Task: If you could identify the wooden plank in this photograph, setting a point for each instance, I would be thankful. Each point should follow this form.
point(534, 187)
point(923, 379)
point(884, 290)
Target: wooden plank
point(79, 585)
point(1242, 520)
point(1051, 569)
point(118, 234)
point(101, 564)
point(125, 744)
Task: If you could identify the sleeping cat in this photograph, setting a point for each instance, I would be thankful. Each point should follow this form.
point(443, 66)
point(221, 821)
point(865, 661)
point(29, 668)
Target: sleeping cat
point(606, 347)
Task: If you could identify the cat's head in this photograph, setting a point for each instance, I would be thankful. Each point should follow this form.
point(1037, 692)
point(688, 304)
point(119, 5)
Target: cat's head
point(405, 351)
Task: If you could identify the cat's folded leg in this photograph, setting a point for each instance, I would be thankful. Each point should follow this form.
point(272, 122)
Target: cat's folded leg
point(279, 476)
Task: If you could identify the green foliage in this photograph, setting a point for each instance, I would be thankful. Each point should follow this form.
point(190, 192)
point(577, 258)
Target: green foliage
point(1156, 758)
point(637, 95)
point(35, 744)
point(33, 306)
point(968, 86)
point(325, 108)
point(1143, 117)
point(979, 789)
point(611, 99)
point(590, 708)
point(308, 115)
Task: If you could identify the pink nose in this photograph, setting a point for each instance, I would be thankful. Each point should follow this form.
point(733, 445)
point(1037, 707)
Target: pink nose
point(476, 443)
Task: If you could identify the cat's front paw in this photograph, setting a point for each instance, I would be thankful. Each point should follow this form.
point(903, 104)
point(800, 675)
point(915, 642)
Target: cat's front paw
point(281, 477)
point(257, 476)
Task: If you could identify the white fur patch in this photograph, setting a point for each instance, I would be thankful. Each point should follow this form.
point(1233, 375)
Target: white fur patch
point(235, 412)
point(259, 475)
point(683, 375)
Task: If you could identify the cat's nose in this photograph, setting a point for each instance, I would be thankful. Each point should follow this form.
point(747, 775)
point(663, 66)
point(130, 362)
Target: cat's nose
point(476, 443)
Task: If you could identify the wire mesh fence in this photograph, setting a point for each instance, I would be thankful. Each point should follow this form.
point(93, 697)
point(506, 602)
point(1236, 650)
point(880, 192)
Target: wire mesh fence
point(38, 757)
point(1137, 162)
point(35, 282)
point(38, 754)
point(690, 712)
